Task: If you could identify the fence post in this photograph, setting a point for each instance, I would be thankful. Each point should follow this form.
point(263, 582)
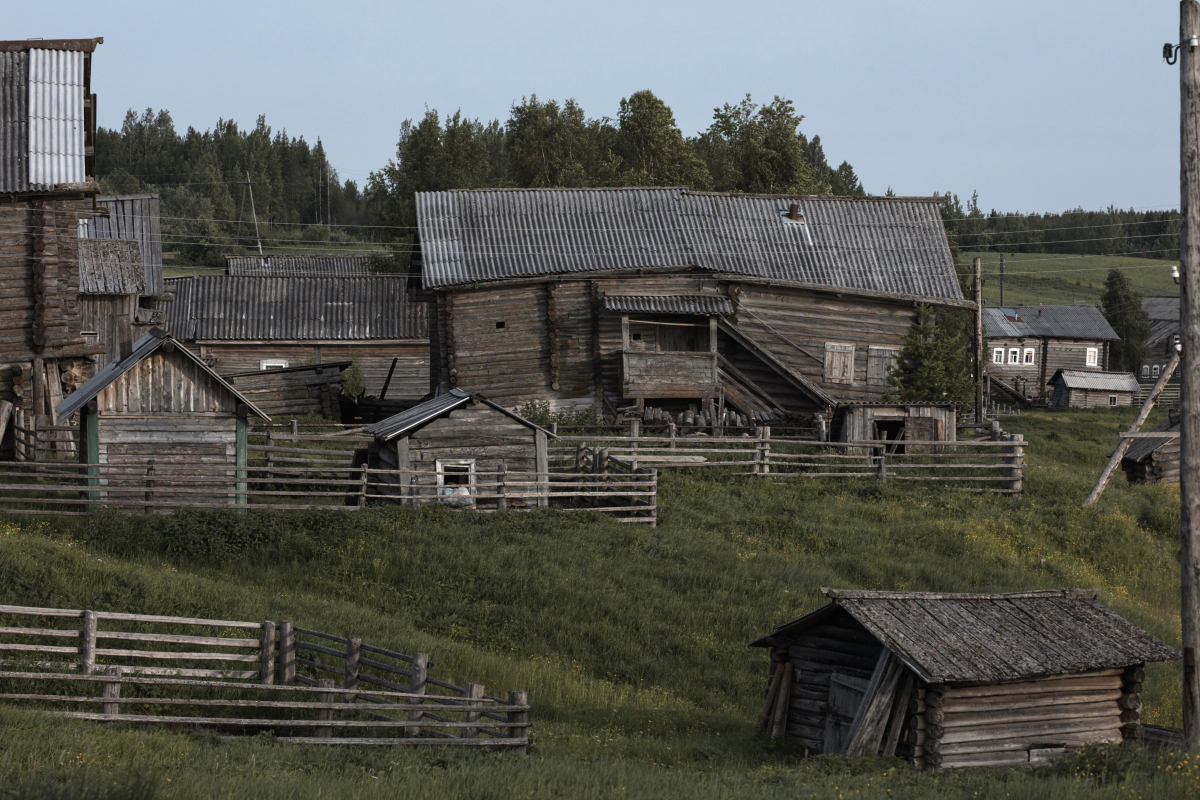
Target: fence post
point(87, 644)
point(671, 433)
point(473, 710)
point(350, 674)
point(1014, 458)
point(269, 455)
point(287, 652)
point(881, 467)
point(362, 487)
point(325, 713)
point(635, 430)
point(518, 719)
point(266, 655)
point(112, 691)
point(766, 449)
point(420, 672)
point(502, 488)
point(149, 496)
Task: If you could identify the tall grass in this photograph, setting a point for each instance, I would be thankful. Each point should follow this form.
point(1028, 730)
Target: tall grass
point(630, 641)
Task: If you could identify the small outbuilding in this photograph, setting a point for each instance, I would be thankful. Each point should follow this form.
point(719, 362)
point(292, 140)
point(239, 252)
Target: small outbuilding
point(925, 422)
point(1154, 459)
point(160, 415)
point(957, 680)
point(1077, 388)
point(461, 449)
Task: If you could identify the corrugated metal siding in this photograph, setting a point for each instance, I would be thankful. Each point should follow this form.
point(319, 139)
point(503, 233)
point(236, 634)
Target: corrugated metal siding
point(348, 309)
point(1052, 322)
point(399, 424)
point(134, 217)
point(882, 245)
point(56, 118)
point(14, 121)
point(1097, 381)
point(668, 304)
point(310, 265)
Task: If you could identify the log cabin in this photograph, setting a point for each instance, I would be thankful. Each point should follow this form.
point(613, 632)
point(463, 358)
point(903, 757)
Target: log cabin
point(616, 299)
point(957, 680)
point(1076, 388)
point(162, 409)
point(241, 324)
point(455, 448)
point(47, 186)
point(1025, 346)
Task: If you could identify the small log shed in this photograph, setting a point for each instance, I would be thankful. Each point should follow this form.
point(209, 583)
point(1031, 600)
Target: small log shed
point(160, 411)
point(457, 448)
point(1154, 459)
point(957, 680)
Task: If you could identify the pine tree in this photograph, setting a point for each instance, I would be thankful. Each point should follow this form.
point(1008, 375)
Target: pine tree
point(1122, 307)
point(935, 364)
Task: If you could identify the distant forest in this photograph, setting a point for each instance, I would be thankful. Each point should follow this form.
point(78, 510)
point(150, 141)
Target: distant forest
point(224, 189)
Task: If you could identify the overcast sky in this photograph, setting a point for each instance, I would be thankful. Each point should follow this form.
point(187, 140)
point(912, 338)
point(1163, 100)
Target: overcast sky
point(1036, 106)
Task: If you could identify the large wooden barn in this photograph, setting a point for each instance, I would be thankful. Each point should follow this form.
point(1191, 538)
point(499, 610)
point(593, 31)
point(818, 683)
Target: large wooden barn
point(957, 680)
point(456, 448)
point(47, 187)
point(619, 299)
point(162, 412)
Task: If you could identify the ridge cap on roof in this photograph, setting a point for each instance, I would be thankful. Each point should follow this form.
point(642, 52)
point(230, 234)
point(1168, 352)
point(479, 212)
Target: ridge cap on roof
point(867, 594)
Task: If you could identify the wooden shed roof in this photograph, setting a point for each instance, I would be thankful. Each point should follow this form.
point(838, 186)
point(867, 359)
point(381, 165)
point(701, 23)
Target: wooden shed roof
point(987, 638)
point(1096, 381)
point(889, 246)
point(110, 266)
point(285, 266)
point(157, 339)
point(436, 407)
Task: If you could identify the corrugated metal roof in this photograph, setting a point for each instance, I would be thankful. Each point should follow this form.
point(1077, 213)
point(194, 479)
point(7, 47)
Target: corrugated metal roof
point(1097, 381)
point(216, 308)
point(881, 245)
point(142, 349)
point(44, 131)
point(110, 266)
point(1141, 448)
point(984, 638)
point(668, 304)
point(1050, 322)
point(133, 217)
point(281, 266)
point(419, 415)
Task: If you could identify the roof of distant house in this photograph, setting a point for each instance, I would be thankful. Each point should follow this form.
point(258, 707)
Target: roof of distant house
point(1047, 322)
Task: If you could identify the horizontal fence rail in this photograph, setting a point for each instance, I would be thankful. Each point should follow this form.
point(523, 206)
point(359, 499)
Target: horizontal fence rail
point(303, 685)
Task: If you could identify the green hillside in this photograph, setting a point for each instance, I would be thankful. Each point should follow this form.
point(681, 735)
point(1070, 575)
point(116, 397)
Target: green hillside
point(1031, 279)
point(630, 641)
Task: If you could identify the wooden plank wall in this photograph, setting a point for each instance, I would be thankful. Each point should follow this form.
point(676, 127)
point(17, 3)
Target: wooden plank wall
point(164, 384)
point(410, 380)
point(1008, 724)
point(794, 326)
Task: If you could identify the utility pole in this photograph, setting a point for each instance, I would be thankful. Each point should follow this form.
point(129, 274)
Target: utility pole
point(1189, 390)
point(979, 377)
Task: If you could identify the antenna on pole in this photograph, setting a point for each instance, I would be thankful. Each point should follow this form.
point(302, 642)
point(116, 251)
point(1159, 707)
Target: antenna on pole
point(249, 189)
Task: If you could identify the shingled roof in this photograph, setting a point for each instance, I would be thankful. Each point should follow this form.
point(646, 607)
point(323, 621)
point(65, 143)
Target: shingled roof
point(984, 638)
point(892, 246)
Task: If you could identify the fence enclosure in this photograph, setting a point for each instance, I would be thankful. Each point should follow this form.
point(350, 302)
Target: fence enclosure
point(242, 677)
point(608, 471)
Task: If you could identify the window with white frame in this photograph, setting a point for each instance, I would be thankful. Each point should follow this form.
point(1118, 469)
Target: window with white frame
point(456, 481)
point(272, 363)
point(1112, 399)
point(1027, 355)
point(998, 355)
point(1093, 357)
point(1014, 355)
point(1145, 372)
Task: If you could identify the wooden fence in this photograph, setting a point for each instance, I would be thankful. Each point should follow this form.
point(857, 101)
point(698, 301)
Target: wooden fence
point(243, 677)
point(980, 466)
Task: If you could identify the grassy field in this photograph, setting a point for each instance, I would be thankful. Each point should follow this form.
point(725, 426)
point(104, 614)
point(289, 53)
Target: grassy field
point(631, 642)
point(1049, 279)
